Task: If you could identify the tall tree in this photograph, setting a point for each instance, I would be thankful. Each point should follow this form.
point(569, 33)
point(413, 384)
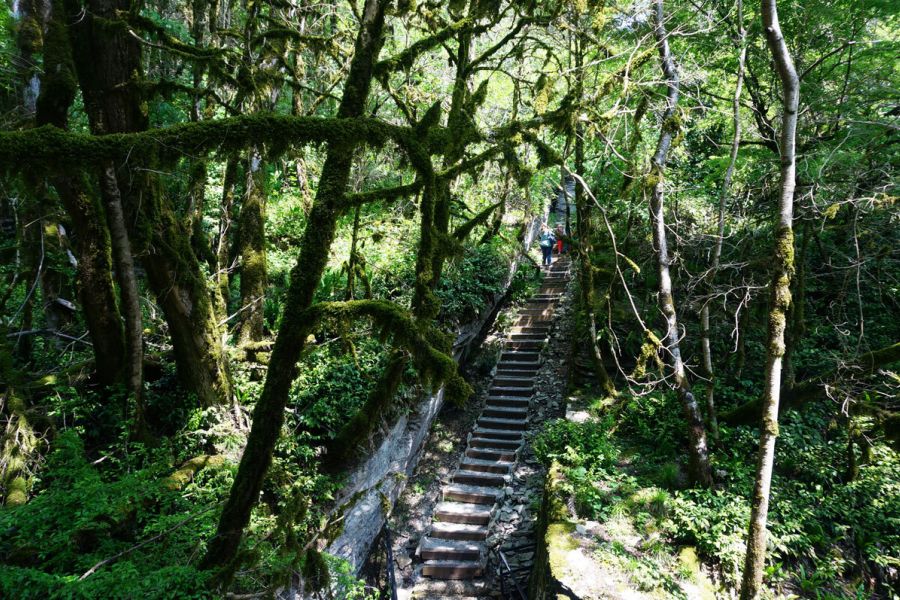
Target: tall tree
point(779, 304)
point(268, 415)
point(724, 194)
point(700, 470)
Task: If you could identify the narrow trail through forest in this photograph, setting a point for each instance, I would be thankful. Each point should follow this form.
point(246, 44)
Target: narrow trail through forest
point(466, 528)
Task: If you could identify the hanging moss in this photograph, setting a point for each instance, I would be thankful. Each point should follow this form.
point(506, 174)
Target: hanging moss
point(649, 351)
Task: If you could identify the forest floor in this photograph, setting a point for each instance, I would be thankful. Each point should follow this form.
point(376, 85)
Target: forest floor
point(623, 556)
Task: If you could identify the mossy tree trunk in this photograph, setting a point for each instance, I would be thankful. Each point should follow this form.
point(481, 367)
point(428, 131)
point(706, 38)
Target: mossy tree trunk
point(780, 289)
point(94, 282)
point(128, 289)
point(108, 62)
point(252, 248)
point(700, 470)
point(268, 414)
point(434, 221)
point(583, 217)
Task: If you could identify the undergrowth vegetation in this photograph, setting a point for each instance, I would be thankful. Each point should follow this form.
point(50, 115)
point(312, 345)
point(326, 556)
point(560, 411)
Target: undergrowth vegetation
point(830, 537)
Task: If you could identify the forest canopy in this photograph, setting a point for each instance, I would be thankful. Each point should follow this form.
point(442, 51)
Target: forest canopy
point(241, 241)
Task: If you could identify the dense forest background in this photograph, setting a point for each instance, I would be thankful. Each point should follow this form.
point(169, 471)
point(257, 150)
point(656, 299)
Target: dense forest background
point(237, 239)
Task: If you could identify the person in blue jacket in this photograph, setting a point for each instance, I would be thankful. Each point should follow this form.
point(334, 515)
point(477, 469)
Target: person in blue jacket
point(547, 241)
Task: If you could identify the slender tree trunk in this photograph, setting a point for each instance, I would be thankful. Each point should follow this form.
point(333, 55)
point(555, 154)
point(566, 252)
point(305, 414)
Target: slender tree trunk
point(268, 414)
point(128, 289)
point(783, 268)
point(223, 237)
point(700, 471)
point(708, 368)
point(352, 259)
point(252, 241)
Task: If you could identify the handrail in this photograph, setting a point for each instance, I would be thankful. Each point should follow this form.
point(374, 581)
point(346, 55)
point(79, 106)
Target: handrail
point(389, 562)
point(501, 565)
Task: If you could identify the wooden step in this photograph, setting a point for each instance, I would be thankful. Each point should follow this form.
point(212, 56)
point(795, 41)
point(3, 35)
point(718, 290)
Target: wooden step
point(442, 549)
point(529, 345)
point(463, 512)
point(527, 337)
point(509, 401)
point(528, 320)
point(499, 390)
point(493, 443)
point(500, 434)
point(458, 531)
point(449, 588)
point(531, 329)
point(479, 478)
point(475, 494)
point(535, 312)
point(491, 454)
point(495, 424)
point(520, 356)
point(521, 366)
point(514, 380)
point(449, 569)
point(504, 412)
point(486, 466)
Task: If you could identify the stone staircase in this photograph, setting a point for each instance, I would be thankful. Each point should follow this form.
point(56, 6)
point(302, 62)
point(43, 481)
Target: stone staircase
point(454, 553)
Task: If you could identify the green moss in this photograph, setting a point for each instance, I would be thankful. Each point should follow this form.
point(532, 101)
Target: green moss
point(559, 542)
point(17, 492)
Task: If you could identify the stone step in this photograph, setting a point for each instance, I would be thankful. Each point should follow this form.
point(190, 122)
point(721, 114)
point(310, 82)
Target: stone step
point(500, 434)
point(475, 494)
point(426, 590)
point(510, 424)
point(479, 478)
point(486, 466)
point(491, 454)
point(494, 443)
point(505, 412)
point(440, 549)
point(463, 512)
point(499, 390)
point(450, 569)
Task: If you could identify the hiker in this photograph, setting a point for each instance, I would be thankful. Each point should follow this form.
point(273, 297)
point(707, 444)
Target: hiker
point(559, 238)
point(547, 242)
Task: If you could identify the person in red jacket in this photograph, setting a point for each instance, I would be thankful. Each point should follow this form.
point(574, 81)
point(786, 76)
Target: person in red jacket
point(559, 238)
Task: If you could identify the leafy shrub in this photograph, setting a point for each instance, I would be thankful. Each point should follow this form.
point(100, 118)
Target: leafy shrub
point(469, 283)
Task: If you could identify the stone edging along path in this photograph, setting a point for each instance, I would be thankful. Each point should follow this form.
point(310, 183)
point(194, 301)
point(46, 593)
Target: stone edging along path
point(490, 498)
